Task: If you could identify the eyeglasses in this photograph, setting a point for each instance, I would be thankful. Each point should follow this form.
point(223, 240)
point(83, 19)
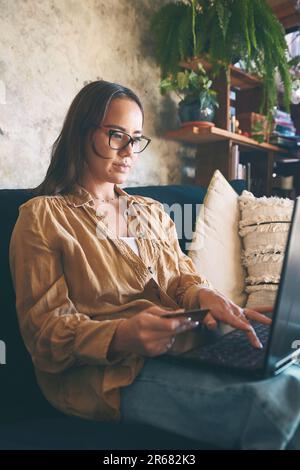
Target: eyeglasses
point(118, 140)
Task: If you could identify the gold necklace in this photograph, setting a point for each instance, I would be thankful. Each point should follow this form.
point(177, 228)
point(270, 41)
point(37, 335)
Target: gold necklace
point(102, 215)
point(102, 200)
point(106, 200)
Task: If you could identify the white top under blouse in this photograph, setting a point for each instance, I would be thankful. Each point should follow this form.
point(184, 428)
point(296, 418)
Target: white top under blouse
point(131, 241)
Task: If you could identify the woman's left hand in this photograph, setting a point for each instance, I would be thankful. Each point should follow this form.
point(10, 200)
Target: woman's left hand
point(223, 309)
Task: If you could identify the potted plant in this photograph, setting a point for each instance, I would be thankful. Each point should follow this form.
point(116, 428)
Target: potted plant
point(197, 100)
point(226, 32)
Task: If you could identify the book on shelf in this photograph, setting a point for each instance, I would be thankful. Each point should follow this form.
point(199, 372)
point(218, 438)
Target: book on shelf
point(235, 159)
point(283, 124)
point(288, 142)
point(240, 171)
point(248, 176)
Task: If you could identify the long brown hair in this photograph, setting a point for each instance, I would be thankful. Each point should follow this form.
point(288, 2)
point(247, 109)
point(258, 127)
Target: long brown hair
point(86, 111)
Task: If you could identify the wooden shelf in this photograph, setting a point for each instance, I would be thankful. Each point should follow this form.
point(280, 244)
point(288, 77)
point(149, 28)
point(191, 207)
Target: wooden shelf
point(215, 144)
point(197, 135)
point(238, 78)
point(286, 12)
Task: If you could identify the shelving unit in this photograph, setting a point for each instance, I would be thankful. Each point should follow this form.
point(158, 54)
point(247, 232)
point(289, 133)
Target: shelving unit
point(215, 144)
point(215, 151)
point(197, 135)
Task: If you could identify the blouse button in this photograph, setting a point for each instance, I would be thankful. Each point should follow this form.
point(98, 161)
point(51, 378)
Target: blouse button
point(150, 269)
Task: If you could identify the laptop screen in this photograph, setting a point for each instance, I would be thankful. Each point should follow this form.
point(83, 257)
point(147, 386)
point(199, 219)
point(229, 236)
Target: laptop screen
point(285, 332)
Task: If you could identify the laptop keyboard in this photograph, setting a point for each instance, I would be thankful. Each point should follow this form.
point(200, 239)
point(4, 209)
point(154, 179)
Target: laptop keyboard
point(234, 349)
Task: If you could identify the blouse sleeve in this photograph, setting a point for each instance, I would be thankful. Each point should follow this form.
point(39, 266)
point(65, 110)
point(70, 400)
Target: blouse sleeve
point(56, 335)
point(183, 287)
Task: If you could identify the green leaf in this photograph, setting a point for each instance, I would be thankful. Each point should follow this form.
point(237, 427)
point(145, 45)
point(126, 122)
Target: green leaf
point(226, 31)
point(182, 80)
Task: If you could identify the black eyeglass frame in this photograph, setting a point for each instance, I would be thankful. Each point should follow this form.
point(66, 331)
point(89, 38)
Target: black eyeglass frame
point(131, 140)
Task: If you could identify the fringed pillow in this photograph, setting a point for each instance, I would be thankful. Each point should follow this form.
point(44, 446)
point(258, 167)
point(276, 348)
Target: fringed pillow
point(264, 227)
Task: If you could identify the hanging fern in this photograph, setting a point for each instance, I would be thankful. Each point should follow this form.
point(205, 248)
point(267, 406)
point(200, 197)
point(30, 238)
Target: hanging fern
point(226, 31)
point(194, 24)
point(172, 30)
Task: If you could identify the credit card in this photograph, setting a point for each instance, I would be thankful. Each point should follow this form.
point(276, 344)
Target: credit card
point(195, 314)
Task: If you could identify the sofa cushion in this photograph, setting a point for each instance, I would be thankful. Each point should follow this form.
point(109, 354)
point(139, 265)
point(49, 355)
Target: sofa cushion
point(264, 227)
point(217, 249)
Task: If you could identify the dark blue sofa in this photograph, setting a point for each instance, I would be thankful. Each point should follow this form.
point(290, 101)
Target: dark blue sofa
point(27, 420)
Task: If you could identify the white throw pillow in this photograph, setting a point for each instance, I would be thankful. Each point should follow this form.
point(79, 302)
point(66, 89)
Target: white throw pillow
point(216, 249)
point(264, 228)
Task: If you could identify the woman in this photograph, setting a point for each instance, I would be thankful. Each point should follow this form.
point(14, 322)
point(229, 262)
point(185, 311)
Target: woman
point(95, 269)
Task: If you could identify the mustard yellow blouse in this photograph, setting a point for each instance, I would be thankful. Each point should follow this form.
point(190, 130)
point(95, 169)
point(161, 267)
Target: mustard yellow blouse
point(75, 282)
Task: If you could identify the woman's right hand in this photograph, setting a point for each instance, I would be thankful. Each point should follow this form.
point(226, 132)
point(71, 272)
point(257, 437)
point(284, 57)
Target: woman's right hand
point(148, 334)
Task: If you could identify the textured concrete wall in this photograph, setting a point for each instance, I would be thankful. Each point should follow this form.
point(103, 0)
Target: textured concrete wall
point(48, 50)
